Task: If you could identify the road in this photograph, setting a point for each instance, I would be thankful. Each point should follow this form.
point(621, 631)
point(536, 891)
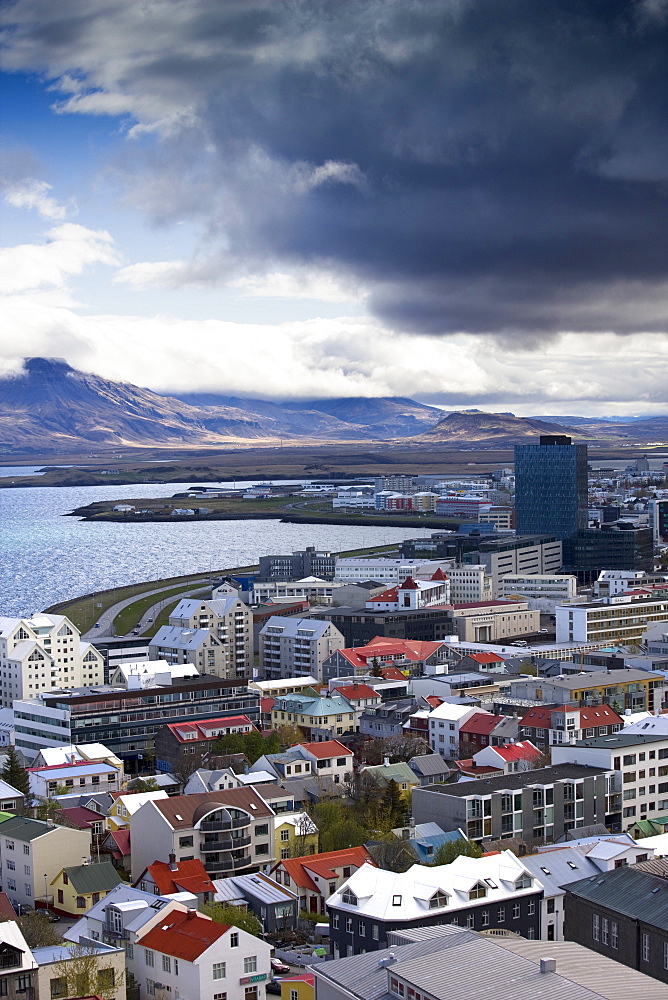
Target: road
point(105, 629)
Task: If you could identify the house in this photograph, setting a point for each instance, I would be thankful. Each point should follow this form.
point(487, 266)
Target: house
point(622, 914)
point(33, 853)
point(412, 655)
point(445, 723)
point(300, 986)
point(167, 878)
point(476, 732)
point(183, 746)
point(331, 759)
point(18, 967)
point(549, 726)
point(126, 804)
point(495, 891)
point(512, 757)
point(192, 956)
point(284, 765)
point(362, 696)
point(230, 831)
point(429, 768)
point(74, 776)
point(11, 799)
point(60, 972)
point(123, 914)
point(317, 876)
point(295, 835)
point(77, 887)
point(80, 818)
point(118, 845)
point(203, 780)
point(273, 904)
point(390, 718)
point(400, 773)
point(320, 717)
point(426, 838)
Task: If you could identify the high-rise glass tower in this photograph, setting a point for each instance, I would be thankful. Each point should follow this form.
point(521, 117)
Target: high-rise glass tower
point(551, 487)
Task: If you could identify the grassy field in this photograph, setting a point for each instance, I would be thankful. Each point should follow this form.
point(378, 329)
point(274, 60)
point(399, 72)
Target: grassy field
point(129, 617)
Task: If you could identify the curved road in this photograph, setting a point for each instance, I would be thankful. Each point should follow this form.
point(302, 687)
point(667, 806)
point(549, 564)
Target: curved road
point(105, 627)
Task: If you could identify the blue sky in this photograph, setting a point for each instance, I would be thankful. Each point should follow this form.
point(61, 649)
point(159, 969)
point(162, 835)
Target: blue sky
point(301, 200)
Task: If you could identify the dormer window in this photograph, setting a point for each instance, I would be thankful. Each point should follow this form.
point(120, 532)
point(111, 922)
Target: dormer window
point(438, 900)
point(396, 901)
point(479, 891)
point(524, 881)
point(349, 897)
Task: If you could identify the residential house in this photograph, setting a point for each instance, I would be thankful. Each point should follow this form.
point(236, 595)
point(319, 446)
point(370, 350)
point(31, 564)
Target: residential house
point(295, 835)
point(126, 804)
point(298, 986)
point(362, 696)
point(391, 718)
point(400, 773)
point(317, 876)
point(77, 887)
point(50, 756)
point(229, 831)
point(274, 905)
point(203, 780)
point(296, 646)
point(183, 746)
point(513, 757)
point(426, 838)
point(117, 845)
point(476, 733)
point(18, 967)
point(123, 914)
point(33, 852)
point(164, 878)
point(59, 969)
point(531, 805)
point(331, 759)
point(445, 723)
point(284, 765)
point(429, 768)
point(622, 914)
point(230, 620)
point(412, 655)
point(11, 799)
point(640, 766)
point(319, 717)
point(487, 893)
point(81, 818)
point(80, 776)
point(548, 726)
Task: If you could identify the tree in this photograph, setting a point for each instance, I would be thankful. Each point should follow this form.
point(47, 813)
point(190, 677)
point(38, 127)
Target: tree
point(144, 785)
point(392, 853)
point(14, 773)
point(392, 804)
point(82, 974)
point(375, 668)
point(452, 849)
point(225, 913)
point(38, 930)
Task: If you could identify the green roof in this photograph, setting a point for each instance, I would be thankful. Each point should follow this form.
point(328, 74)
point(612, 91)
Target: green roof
point(93, 878)
point(393, 772)
point(6, 815)
point(26, 829)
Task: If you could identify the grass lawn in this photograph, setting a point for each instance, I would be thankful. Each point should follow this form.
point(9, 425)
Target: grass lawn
point(129, 617)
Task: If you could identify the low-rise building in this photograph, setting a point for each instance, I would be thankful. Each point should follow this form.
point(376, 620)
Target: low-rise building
point(18, 972)
point(125, 805)
point(62, 969)
point(547, 726)
point(273, 904)
point(429, 768)
point(180, 746)
point(412, 595)
point(319, 717)
point(445, 723)
point(620, 619)
point(487, 893)
point(402, 775)
point(411, 657)
point(315, 877)
point(493, 621)
point(167, 878)
point(390, 718)
point(80, 775)
point(77, 887)
point(543, 592)
point(33, 852)
point(295, 835)
point(637, 690)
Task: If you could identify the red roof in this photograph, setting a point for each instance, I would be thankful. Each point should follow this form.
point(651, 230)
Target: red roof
point(482, 770)
point(328, 748)
point(517, 751)
point(540, 717)
point(434, 700)
point(266, 705)
point(486, 657)
point(122, 840)
point(79, 817)
point(7, 911)
point(439, 575)
point(323, 865)
point(392, 674)
point(481, 724)
point(415, 650)
point(185, 876)
point(391, 595)
point(198, 728)
point(184, 935)
point(409, 584)
point(355, 692)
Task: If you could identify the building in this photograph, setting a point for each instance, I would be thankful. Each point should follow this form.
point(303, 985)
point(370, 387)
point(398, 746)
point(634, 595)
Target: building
point(307, 562)
point(360, 625)
point(622, 914)
point(389, 571)
point(429, 768)
point(618, 620)
point(414, 657)
point(11, 799)
point(538, 805)
point(293, 647)
point(18, 971)
point(542, 592)
point(229, 831)
point(493, 621)
point(231, 621)
point(308, 588)
point(198, 646)
point(135, 674)
point(639, 763)
point(547, 726)
point(479, 893)
point(551, 487)
point(60, 972)
point(319, 717)
point(295, 835)
point(95, 714)
point(522, 556)
point(274, 905)
point(315, 877)
point(445, 724)
point(510, 758)
point(76, 776)
point(44, 652)
point(451, 962)
point(613, 546)
point(180, 745)
point(33, 853)
point(77, 887)
point(659, 520)
point(627, 688)
point(390, 718)
point(470, 583)
point(400, 773)
point(167, 878)
point(412, 595)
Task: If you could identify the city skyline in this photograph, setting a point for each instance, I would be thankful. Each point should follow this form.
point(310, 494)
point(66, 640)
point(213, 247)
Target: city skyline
point(455, 202)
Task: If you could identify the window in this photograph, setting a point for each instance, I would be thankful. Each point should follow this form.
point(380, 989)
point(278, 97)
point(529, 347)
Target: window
point(250, 964)
point(220, 996)
point(374, 935)
point(185, 841)
point(524, 881)
point(396, 901)
point(645, 947)
point(294, 995)
point(665, 955)
point(361, 929)
point(218, 970)
point(166, 963)
point(470, 920)
point(234, 940)
point(531, 907)
point(595, 926)
point(22, 984)
point(349, 897)
point(11, 865)
point(349, 925)
point(437, 900)
point(26, 848)
point(26, 869)
point(262, 848)
point(59, 987)
point(485, 918)
point(61, 896)
point(550, 905)
point(479, 891)
point(516, 911)
point(262, 830)
point(81, 902)
point(335, 921)
point(149, 958)
point(106, 980)
point(614, 934)
point(501, 914)
point(9, 844)
point(129, 950)
point(604, 930)
point(285, 835)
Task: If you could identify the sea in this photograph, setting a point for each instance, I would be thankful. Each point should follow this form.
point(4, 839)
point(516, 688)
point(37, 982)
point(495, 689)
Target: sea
point(47, 557)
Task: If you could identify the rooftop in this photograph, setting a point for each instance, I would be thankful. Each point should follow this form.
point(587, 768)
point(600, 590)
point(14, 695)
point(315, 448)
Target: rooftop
point(184, 935)
point(518, 779)
point(630, 891)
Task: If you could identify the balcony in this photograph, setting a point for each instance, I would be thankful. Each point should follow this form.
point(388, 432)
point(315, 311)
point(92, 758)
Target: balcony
point(229, 865)
point(229, 844)
point(215, 826)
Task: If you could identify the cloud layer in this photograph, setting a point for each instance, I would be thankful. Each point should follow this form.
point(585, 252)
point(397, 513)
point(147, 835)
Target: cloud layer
point(486, 168)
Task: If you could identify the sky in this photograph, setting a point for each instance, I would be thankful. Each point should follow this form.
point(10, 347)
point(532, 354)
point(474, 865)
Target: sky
point(460, 201)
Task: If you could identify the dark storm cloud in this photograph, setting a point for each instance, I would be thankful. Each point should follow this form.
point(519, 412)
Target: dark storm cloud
point(484, 165)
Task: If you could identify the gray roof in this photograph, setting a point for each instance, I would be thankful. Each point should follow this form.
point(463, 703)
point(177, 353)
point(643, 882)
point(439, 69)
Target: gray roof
point(519, 779)
point(557, 868)
point(261, 887)
point(634, 893)
point(601, 677)
point(428, 763)
point(620, 740)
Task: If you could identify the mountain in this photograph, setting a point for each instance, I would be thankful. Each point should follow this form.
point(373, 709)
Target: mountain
point(500, 429)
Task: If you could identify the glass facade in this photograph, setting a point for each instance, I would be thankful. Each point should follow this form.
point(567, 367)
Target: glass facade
point(551, 487)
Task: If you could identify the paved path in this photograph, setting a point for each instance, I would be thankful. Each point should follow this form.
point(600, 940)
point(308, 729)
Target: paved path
point(106, 619)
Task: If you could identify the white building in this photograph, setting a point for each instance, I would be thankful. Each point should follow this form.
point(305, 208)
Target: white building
point(74, 776)
point(619, 620)
point(44, 652)
point(136, 674)
point(542, 591)
point(309, 588)
point(191, 645)
point(410, 595)
point(612, 582)
point(469, 583)
point(444, 724)
point(292, 647)
point(230, 621)
point(390, 571)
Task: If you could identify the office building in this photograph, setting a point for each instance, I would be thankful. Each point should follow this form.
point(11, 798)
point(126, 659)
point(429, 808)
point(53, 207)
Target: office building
point(615, 620)
point(614, 546)
point(307, 562)
point(551, 487)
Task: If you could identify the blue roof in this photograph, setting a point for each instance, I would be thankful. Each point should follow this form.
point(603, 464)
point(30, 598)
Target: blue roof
point(426, 838)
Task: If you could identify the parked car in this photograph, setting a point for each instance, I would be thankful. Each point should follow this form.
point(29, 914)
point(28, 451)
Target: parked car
point(273, 986)
point(278, 966)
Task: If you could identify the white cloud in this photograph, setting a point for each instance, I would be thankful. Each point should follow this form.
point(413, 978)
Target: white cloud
point(32, 193)
point(69, 250)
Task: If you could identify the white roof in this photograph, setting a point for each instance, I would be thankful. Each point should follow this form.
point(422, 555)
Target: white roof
point(10, 934)
point(404, 896)
point(266, 686)
point(135, 800)
point(256, 777)
point(80, 751)
point(452, 712)
point(653, 725)
point(659, 843)
point(291, 626)
point(180, 638)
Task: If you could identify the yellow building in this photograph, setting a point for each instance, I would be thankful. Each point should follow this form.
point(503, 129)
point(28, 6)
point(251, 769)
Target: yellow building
point(126, 805)
point(301, 987)
point(296, 835)
point(76, 889)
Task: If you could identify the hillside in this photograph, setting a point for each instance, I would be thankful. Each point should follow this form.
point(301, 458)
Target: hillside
point(501, 429)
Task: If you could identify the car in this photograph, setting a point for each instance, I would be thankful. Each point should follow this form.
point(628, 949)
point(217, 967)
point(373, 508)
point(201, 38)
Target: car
point(135, 631)
point(278, 966)
point(96, 625)
point(52, 917)
point(273, 987)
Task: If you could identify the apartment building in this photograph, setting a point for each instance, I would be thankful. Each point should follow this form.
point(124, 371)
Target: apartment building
point(627, 688)
point(231, 621)
point(539, 805)
point(44, 652)
point(126, 721)
point(640, 766)
point(229, 831)
point(410, 656)
point(33, 853)
point(477, 893)
point(445, 724)
point(198, 646)
point(619, 620)
point(320, 717)
point(309, 588)
point(293, 647)
point(470, 583)
point(181, 745)
point(304, 562)
point(547, 726)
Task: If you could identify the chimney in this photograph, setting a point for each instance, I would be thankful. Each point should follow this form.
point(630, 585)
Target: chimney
point(548, 965)
point(386, 761)
point(172, 863)
point(191, 914)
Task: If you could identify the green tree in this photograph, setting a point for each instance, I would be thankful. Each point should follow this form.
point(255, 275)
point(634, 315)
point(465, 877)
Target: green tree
point(14, 773)
point(83, 974)
point(375, 668)
point(225, 913)
point(144, 785)
point(452, 849)
point(339, 826)
point(392, 804)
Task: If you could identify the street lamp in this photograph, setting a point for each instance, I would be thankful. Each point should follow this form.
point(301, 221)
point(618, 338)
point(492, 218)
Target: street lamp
point(46, 897)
